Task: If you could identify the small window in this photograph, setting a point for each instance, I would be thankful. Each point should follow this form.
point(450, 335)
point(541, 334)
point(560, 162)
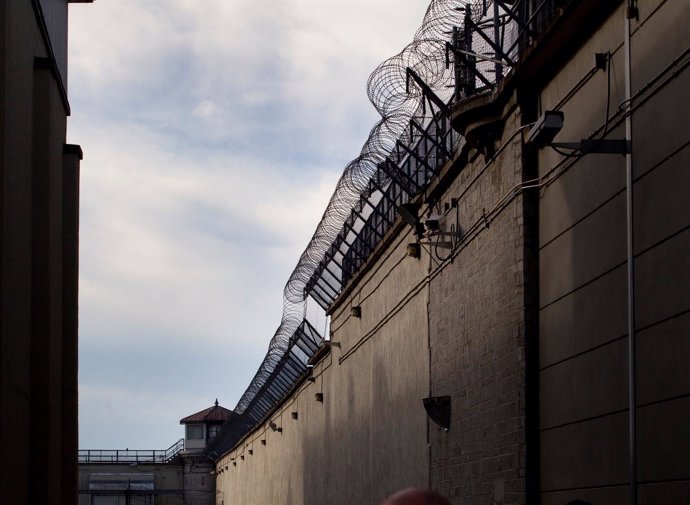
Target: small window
point(213, 430)
point(195, 431)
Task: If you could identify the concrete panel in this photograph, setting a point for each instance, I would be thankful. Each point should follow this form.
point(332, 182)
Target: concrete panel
point(655, 123)
point(664, 493)
point(662, 280)
point(663, 436)
point(586, 109)
point(587, 185)
point(659, 37)
point(591, 316)
point(586, 386)
point(614, 495)
point(586, 454)
point(660, 209)
point(662, 360)
point(589, 249)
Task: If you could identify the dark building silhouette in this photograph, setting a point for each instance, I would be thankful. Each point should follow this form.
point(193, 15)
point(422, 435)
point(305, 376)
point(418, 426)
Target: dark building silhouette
point(39, 237)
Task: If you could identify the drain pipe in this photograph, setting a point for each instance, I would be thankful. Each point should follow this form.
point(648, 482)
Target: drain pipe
point(631, 12)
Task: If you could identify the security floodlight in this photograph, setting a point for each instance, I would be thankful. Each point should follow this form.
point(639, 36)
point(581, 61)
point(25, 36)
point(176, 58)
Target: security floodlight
point(551, 122)
point(414, 250)
point(546, 128)
point(438, 410)
point(408, 212)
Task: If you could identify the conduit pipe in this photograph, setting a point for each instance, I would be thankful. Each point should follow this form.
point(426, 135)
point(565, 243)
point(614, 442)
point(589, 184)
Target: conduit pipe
point(629, 181)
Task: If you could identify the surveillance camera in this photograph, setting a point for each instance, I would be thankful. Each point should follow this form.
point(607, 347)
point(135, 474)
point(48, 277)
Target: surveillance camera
point(433, 224)
point(546, 128)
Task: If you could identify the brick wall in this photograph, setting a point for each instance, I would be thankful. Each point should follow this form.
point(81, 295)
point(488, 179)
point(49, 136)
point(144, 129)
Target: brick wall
point(476, 327)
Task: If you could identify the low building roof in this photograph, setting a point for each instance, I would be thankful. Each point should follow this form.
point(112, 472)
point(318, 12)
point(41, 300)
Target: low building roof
point(214, 414)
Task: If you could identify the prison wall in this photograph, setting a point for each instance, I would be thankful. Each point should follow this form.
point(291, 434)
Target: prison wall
point(523, 322)
point(368, 435)
point(436, 325)
point(583, 352)
point(477, 331)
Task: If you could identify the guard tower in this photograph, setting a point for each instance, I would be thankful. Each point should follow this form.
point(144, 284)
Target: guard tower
point(202, 427)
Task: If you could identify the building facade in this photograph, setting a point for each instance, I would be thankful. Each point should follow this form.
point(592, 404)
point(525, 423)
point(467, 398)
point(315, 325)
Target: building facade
point(182, 474)
point(39, 202)
point(535, 291)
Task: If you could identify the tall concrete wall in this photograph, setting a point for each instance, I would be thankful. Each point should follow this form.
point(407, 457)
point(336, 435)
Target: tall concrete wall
point(199, 482)
point(583, 293)
point(348, 449)
point(39, 202)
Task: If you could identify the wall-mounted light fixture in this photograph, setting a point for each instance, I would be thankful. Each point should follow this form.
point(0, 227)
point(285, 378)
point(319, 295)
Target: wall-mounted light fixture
point(408, 212)
point(319, 397)
point(310, 369)
point(414, 250)
point(551, 122)
point(234, 463)
point(263, 441)
point(438, 410)
point(251, 451)
point(546, 128)
point(275, 427)
point(242, 457)
point(356, 311)
point(294, 415)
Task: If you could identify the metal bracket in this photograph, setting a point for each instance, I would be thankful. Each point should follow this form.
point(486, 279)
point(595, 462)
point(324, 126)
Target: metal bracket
point(428, 92)
point(596, 146)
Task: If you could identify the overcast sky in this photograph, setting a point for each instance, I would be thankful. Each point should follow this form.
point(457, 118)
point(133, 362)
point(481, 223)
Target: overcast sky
point(213, 132)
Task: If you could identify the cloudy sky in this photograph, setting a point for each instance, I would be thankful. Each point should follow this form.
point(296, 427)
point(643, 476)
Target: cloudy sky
point(213, 132)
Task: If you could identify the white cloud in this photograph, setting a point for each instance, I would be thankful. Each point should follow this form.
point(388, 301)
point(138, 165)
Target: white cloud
point(206, 110)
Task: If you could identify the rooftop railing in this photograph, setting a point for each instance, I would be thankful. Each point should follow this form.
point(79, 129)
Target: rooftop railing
point(127, 456)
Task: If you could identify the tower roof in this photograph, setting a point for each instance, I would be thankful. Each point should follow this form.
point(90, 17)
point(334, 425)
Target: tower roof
point(214, 414)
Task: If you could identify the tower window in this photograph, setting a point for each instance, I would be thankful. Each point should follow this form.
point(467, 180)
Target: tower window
point(195, 431)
